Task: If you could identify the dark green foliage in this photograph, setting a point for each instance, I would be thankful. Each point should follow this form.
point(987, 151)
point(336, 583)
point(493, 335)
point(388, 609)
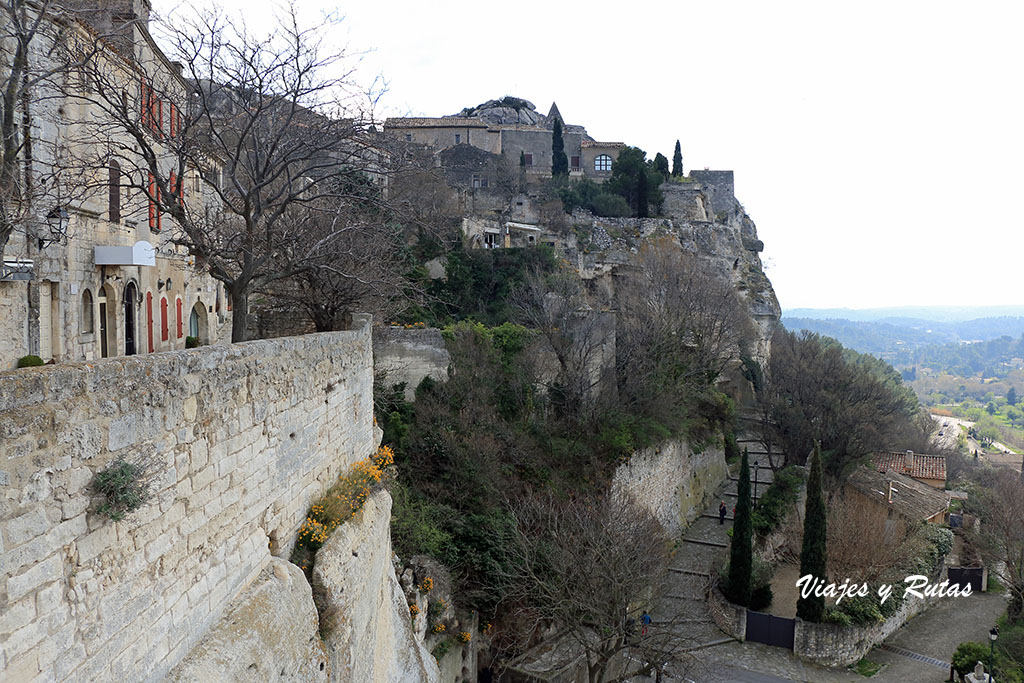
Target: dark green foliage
point(559, 162)
point(778, 501)
point(586, 194)
point(732, 449)
point(741, 551)
point(522, 159)
point(813, 553)
point(661, 165)
point(636, 181)
point(191, 342)
point(442, 649)
point(479, 285)
point(968, 655)
point(1011, 396)
point(677, 162)
point(124, 486)
point(752, 373)
point(761, 598)
point(30, 361)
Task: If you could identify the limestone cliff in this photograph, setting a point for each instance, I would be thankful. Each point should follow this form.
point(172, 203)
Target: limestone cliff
point(364, 616)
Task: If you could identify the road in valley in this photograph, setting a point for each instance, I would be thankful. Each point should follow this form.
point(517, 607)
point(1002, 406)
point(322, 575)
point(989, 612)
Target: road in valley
point(949, 428)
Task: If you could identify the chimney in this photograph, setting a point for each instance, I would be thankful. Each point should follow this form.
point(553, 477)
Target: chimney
point(908, 461)
point(891, 491)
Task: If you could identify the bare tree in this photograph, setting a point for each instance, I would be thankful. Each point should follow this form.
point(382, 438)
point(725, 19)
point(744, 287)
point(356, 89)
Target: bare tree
point(581, 572)
point(680, 325)
point(1001, 536)
point(580, 338)
point(864, 544)
point(255, 127)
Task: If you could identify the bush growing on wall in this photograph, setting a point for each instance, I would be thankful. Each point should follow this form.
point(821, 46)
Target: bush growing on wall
point(124, 487)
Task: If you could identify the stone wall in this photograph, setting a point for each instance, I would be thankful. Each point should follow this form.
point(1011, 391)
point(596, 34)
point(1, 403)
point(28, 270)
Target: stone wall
point(671, 480)
point(834, 645)
point(409, 355)
point(237, 440)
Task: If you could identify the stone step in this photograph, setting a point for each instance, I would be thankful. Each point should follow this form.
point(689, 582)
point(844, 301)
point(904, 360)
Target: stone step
point(689, 572)
point(716, 544)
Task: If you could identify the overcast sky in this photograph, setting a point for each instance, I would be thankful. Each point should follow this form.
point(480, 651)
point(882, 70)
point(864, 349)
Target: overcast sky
point(877, 145)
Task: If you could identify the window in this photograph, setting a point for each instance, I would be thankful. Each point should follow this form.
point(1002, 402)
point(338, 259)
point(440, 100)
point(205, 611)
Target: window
point(574, 162)
point(603, 163)
point(408, 137)
point(114, 190)
point(490, 240)
point(177, 318)
point(458, 138)
point(88, 319)
point(483, 182)
point(476, 180)
point(164, 330)
point(528, 159)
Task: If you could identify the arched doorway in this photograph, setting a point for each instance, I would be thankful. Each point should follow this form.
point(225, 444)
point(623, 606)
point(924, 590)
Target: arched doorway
point(107, 301)
point(198, 323)
point(131, 299)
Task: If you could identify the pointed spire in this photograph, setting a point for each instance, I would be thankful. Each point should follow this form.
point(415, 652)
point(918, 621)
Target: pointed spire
point(553, 113)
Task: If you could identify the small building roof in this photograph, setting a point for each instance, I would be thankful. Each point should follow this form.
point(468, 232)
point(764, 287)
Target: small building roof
point(908, 497)
point(916, 465)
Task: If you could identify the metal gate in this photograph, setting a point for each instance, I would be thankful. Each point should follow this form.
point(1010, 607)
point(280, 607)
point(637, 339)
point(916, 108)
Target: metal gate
point(770, 629)
point(967, 575)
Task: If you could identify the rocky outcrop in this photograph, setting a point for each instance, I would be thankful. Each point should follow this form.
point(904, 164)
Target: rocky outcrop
point(364, 616)
point(268, 633)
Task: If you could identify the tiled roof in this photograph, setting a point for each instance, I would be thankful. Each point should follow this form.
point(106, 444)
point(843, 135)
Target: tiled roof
point(920, 466)
point(439, 122)
point(911, 498)
point(595, 143)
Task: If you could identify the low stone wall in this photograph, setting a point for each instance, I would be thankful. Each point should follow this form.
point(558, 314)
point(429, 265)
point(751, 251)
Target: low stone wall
point(834, 645)
point(238, 440)
point(409, 355)
point(730, 618)
point(673, 482)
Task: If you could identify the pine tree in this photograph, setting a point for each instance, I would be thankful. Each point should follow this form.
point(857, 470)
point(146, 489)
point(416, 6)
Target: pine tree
point(661, 163)
point(813, 555)
point(741, 553)
point(559, 162)
point(677, 162)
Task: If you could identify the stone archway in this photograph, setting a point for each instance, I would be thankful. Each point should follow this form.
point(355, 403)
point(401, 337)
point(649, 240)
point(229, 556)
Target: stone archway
point(198, 323)
point(107, 336)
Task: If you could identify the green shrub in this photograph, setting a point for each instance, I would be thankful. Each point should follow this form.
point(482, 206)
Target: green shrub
point(967, 655)
point(191, 342)
point(866, 668)
point(441, 649)
point(761, 598)
point(862, 611)
point(778, 501)
point(30, 361)
point(835, 616)
point(124, 486)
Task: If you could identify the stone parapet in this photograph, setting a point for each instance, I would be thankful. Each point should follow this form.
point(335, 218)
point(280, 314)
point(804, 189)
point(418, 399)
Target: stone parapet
point(237, 442)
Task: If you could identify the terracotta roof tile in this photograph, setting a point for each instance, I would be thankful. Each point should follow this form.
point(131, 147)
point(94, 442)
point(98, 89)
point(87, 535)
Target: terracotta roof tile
point(920, 466)
point(912, 499)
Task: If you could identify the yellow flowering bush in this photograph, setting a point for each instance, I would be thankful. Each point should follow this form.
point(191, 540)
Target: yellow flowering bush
point(464, 636)
point(344, 499)
point(414, 609)
point(437, 628)
point(427, 585)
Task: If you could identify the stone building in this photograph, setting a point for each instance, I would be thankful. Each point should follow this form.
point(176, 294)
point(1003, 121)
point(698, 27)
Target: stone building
point(929, 469)
point(512, 130)
point(901, 495)
point(91, 271)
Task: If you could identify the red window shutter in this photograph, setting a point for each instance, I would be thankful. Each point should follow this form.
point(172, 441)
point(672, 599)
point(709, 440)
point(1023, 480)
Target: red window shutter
point(164, 329)
point(172, 120)
point(178, 317)
point(149, 320)
point(144, 103)
point(173, 185)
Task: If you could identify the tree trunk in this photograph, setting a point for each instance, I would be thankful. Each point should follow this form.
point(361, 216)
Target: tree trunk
point(239, 313)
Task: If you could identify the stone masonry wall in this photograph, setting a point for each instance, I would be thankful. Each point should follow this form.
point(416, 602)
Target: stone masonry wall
point(238, 441)
point(409, 355)
point(672, 481)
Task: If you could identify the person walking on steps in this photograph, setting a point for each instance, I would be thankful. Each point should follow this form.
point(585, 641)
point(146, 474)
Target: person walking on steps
point(722, 510)
point(645, 622)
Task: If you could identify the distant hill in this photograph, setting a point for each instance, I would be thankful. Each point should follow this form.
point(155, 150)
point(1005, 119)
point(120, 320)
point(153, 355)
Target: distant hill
point(927, 313)
point(893, 336)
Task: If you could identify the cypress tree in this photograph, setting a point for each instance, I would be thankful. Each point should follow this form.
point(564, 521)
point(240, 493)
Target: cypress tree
point(677, 162)
point(741, 552)
point(813, 556)
point(661, 163)
point(522, 159)
point(559, 162)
